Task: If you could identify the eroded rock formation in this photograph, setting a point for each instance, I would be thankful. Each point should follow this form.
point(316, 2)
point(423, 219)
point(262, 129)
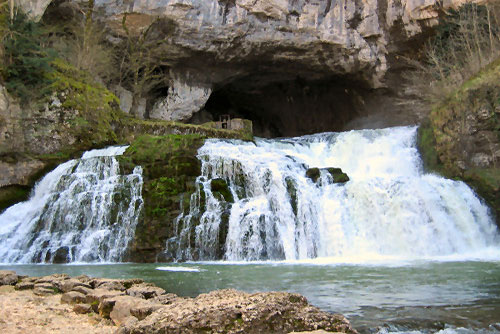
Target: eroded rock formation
point(292, 66)
point(262, 59)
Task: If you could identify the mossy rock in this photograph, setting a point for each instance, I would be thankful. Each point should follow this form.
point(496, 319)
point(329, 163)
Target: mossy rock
point(338, 175)
point(170, 168)
point(313, 173)
point(11, 195)
point(464, 124)
point(220, 186)
point(88, 107)
point(291, 189)
point(486, 182)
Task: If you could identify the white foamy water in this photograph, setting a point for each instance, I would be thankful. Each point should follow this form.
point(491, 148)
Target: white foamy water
point(390, 210)
point(179, 269)
point(82, 211)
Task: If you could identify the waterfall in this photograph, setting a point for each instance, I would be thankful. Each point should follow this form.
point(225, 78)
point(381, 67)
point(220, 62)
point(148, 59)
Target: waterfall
point(82, 211)
point(389, 208)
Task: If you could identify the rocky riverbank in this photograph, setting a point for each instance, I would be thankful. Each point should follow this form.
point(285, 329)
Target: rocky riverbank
point(63, 304)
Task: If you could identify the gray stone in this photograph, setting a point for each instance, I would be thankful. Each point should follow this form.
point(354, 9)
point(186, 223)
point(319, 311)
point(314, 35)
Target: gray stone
point(109, 284)
point(126, 98)
point(24, 286)
point(42, 291)
point(34, 8)
point(49, 286)
point(230, 311)
point(8, 277)
point(145, 291)
point(82, 308)
point(183, 100)
point(71, 285)
point(82, 289)
point(73, 297)
point(166, 299)
point(98, 295)
point(143, 310)
point(118, 308)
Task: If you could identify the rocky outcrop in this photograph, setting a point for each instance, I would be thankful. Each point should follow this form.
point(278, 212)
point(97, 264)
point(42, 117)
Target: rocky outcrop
point(336, 174)
point(223, 311)
point(270, 60)
point(183, 98)
point(80, 115)
point(231, 311)
point(170, 168)
point(244, 49)
point(462, 137)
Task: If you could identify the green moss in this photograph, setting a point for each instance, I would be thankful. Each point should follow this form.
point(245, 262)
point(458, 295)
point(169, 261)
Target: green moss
point(170, 168)
point(443, 137)
point(291, 189)
point(95, 107)
point(338, 175)
point(220, 187)
point(313, 174)
point(11, 195)
point(128, 128)
point(486, 182)
point(427, 148)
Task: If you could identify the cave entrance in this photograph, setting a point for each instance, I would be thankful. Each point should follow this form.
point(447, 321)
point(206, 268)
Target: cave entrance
point(287, 108)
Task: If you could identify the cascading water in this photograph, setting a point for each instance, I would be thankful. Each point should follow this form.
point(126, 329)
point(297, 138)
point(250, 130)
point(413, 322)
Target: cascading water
point(389, 209)
point(83, 211)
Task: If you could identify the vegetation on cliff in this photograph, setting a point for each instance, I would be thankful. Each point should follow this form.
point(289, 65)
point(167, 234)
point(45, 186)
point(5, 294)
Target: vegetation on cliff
point(461, 137)
point(170, 168)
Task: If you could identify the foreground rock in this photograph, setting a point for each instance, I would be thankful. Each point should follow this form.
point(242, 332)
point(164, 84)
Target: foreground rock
point(231, 311)
point(139, 307)
point(8, 277)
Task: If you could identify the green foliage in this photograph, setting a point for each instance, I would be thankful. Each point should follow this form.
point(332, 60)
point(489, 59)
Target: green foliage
point(26, 58)
point(96, 107)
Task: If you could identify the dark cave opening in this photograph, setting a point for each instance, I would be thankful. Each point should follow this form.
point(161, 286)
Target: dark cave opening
point(287, 108)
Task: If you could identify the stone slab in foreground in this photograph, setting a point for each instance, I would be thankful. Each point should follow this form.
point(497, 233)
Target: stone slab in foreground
point(138, 307)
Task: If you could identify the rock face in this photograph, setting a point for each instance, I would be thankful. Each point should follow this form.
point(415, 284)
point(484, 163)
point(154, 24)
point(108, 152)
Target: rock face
point(263, 58)
point(462, 138)
point(183, 97)
point(291, 66)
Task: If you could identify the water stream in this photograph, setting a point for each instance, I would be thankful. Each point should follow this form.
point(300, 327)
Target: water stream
point(390, 208)
point(395, 249)
point(83, 211)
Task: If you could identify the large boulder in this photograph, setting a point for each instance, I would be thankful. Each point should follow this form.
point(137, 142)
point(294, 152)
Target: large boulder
point(8, 277)
point(231, 311)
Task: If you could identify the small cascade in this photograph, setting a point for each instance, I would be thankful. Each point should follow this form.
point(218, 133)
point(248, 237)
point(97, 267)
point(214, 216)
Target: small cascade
point(388, 208)
point(82, 211)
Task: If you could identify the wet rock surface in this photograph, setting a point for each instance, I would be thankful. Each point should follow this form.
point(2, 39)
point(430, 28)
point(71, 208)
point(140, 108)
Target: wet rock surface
point(145, 308)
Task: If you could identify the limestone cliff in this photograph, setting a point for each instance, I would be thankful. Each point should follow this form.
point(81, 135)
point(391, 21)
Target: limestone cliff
point(273, 60)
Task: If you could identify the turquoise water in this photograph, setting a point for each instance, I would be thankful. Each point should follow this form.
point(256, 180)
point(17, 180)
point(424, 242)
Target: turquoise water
point(418, 297)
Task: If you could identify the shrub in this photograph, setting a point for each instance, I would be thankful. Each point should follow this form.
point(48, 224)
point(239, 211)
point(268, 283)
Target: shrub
point(467, 40)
